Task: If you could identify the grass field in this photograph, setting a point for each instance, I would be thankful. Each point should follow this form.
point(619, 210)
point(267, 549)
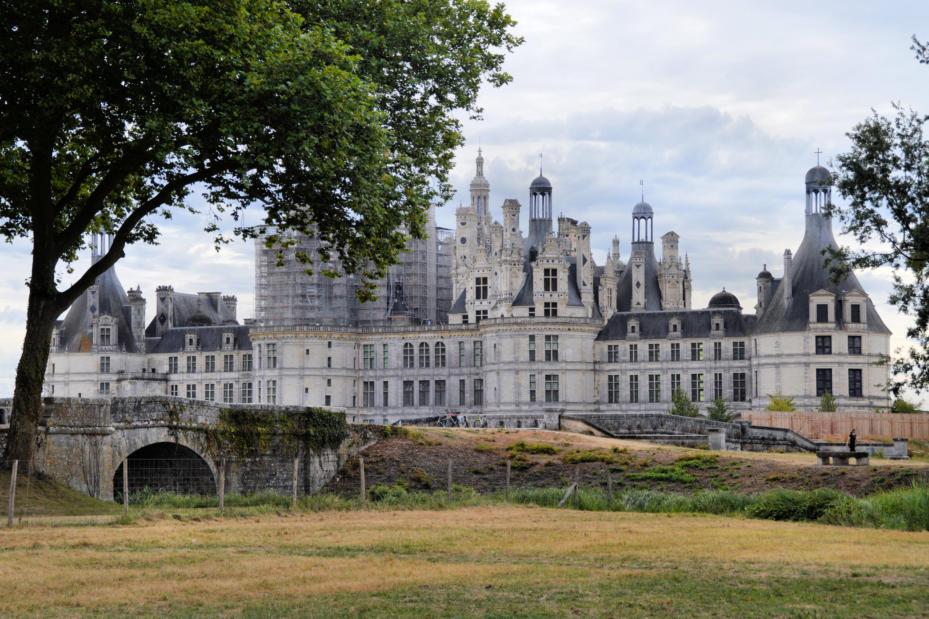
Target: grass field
point(496, 560)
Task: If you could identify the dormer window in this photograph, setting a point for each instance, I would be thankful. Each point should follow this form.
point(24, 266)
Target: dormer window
point(632, 329)
point(855, 311)
point(228, 341)
point(822, 312)
point(550, 280)
point(105, 336)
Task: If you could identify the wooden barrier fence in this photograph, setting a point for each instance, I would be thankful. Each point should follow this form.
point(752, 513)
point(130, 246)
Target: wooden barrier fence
point(838, 425)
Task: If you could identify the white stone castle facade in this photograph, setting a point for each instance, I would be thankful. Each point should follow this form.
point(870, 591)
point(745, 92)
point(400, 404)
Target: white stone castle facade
point(535, 328)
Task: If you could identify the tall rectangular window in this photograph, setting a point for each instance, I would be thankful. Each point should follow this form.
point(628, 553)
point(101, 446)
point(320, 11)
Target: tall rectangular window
point(247, 362)
point(408, 355)
point(823, 381)
point(822, 312)
point(271, 356)
point(612, 353)
point(209, 363)
point(478, 392)
point(738, 351)
point(423, 355)
point(654, 388)
point(104, 365)
point(271, 392)
point(854, 344)
point(440, 393)
point(717, 385)
point(386, 356)
point(173, 390)
point(209, 392)
point(104, 388)
point(551, 348)
point(480, 315)
point(191, 364)
point(612, 388)
point(480, 288)
point(531, 348)
point(104, 336)
point(551, 388)
point(634, 388)
point(633, 353)
point(823, 344)
point(550, 309)
point(675, 351)
point(246, 393)
point(440, 354)
point(367, 358)
point(696, 351)
point(385, 393)
point(717, 351)
point(532, 387)
point(462, 391)
point(172, 365)
point(424, 393)
point(550, 280)
point(478, 353)
point(654, 352)
point(856, 312)
point(228, 392)
point(408, 393)
point(192, 392)
point(854, 383)
point(228, 363)
point(738, 387)
point(461, 354)
point(675, 383)
point(696, 387)
point(367, 393)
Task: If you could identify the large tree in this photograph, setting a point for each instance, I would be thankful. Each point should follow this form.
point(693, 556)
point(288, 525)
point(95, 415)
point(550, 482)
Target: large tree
point(335, 116)
point(885, 178)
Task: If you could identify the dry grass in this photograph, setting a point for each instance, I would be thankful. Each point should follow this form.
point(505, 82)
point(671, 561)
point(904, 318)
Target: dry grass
point(229, 565)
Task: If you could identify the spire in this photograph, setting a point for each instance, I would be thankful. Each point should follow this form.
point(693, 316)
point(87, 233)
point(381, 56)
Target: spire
point(480, 163)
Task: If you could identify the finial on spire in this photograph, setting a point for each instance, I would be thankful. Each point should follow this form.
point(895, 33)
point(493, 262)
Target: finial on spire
point(642, 185)
point(818, 153)
point(540, 164)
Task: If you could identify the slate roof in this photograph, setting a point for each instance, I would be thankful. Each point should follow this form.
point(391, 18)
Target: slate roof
point(75, 330)
point(192, 310)
point(211, 339)
point(694, 323)
point(652, 291)
point(458, 307)
point(807, 275)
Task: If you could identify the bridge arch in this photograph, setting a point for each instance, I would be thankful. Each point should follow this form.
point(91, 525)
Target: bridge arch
point(165, 466)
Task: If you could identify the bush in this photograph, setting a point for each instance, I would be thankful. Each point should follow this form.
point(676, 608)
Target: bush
point(720, 411)
point(902, 406)
point(681, 405)
point(379, 493)
point(519, 461)
point(532, 448)
point(780, 504)
point(780, 403)
point(827, 403)
point(589, 455)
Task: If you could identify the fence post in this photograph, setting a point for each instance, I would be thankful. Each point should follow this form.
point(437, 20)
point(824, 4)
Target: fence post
point(222, 484)
point(609, 486)
point(126, 485)
point(296, 469)
point(507, 481)
point(361, 472)
point(9, 520)
point(449, 480)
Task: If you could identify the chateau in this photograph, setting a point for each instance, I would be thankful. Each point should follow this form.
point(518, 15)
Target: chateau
point(487, 320)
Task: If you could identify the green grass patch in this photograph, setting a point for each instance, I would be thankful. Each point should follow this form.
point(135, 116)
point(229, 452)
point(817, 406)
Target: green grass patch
point(532, 448)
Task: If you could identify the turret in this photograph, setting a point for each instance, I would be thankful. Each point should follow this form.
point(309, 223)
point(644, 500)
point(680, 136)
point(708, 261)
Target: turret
point(164, 309)
point(480, 189)
point(540, 211)
point(764, 281)
point(137, 317)
point(786, 283)
point(511, 235)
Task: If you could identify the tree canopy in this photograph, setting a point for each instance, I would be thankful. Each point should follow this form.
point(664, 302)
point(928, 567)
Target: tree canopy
point(335, 116)
point(885, 178)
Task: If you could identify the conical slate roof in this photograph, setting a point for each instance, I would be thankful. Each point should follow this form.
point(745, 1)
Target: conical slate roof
point(75, 332)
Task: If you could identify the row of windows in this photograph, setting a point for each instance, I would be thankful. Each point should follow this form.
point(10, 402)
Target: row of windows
point(824, 344)
point(696, 387)
point(209, 363)
point(227, 392)
point(654, 352)
point(422, 356)
point(422, 393)
point(824, 382)
point(822, 312)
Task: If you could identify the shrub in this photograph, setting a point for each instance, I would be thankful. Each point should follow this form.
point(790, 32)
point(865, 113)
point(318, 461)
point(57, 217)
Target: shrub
point(902, 406)
point(827, 403)
point(720, 411)
point(379, 493)
point(780, 504)
point(780, 403)
point(663, 473)
point(532, 448)
point(681, 405)
point(519, 461)
point(589, 455)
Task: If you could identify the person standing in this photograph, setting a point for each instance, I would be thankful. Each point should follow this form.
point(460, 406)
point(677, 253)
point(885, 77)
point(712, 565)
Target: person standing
point(851, 440)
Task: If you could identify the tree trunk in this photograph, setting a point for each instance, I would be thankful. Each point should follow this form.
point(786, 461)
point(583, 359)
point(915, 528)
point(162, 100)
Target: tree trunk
point(30, 375)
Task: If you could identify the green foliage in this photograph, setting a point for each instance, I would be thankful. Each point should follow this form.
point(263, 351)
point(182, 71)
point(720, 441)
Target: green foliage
point(780, 403)
point(780, 504)
point(720, 411)
point(681, 405)
point(902, 406)
point(698, 461)
point(591, 455)
point(827, 402)
point(673, 474)
point(519, 461)
point(380, 493)
point(532, 448)
point(885, 181)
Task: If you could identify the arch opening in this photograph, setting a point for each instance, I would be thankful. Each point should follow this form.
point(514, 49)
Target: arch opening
point(163, 468)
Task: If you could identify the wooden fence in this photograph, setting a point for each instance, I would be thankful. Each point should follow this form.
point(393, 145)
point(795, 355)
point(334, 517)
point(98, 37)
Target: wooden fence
point(838, 425)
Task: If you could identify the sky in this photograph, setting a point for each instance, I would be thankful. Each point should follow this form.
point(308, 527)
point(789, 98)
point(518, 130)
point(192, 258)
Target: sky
point(718, 107)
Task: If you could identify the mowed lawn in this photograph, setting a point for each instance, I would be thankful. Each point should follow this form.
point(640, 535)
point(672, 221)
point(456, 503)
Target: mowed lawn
point(477, 561)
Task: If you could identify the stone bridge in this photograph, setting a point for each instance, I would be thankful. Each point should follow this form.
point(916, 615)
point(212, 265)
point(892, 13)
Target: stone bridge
point(85, 443)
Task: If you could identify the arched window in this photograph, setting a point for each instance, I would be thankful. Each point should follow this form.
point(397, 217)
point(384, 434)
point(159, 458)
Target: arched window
point(408, 355)
point(440, 354)
point(423, 355)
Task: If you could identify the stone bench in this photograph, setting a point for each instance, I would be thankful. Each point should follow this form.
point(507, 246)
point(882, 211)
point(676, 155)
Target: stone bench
point(840, 458)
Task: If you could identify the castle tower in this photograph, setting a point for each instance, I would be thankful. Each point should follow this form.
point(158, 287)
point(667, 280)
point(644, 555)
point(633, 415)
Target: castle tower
point(137, 317)
point(540, 211)
point(480, 189)
point(642, 250)
point(585, 267)
point(818, 188)
point(764, 282)
point(671, 276)
point(164, 309)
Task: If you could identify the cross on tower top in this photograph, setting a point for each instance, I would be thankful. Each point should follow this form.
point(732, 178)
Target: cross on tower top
point(818, 153)
point(642, 185)
point(540, 164)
